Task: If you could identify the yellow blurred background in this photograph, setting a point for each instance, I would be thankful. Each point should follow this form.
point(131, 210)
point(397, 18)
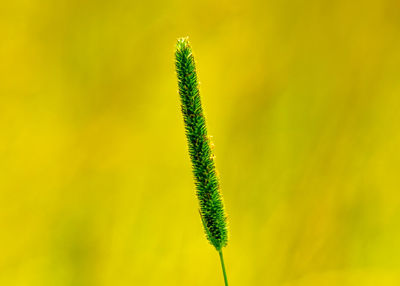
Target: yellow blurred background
point(302, 99)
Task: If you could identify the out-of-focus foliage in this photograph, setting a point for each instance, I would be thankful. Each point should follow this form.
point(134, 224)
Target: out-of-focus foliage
point(303, 101)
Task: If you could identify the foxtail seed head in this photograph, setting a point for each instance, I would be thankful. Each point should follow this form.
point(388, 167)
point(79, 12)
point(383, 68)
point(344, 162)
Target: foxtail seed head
point(206, 181)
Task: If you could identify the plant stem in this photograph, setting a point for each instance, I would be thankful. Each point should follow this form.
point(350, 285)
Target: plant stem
point(221, 257)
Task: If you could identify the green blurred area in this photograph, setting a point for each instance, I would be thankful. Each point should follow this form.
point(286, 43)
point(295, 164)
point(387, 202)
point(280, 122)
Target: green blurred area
point(302, 99)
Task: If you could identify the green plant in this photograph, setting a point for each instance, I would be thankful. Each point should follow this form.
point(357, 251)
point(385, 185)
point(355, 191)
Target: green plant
point(211, 206)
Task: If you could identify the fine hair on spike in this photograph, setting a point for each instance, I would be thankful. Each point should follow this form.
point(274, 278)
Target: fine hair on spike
point(210, 199)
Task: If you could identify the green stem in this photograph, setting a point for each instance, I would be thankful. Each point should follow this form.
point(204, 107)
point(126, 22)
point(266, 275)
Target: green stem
point(221, 257)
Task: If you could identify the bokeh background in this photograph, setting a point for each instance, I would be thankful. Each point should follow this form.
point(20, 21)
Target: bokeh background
point(302, 99)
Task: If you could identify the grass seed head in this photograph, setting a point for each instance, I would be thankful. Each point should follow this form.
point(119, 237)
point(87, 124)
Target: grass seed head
point(211, 206)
